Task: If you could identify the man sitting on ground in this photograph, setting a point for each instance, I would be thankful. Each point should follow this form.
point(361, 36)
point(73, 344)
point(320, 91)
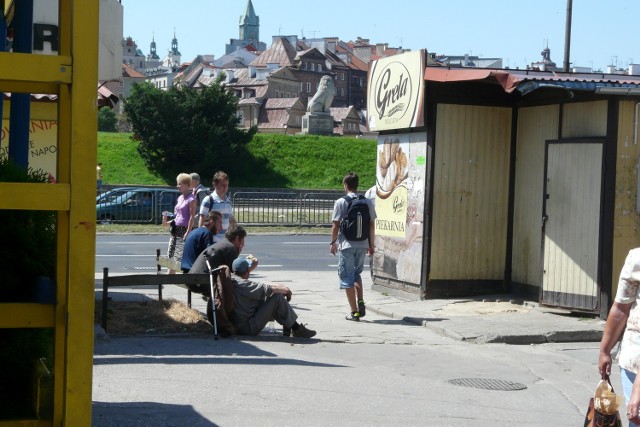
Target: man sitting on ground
point(200, 239)
point(258, 303)
point(220, 253)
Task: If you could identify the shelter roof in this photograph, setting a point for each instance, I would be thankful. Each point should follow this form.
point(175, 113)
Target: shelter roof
point(525, 81)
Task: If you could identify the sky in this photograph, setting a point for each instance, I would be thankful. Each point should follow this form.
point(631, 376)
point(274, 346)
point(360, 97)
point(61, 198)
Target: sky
point(603, 32)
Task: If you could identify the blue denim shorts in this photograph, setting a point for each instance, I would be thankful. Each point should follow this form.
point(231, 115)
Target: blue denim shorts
point(350, 265)
point(627, 378)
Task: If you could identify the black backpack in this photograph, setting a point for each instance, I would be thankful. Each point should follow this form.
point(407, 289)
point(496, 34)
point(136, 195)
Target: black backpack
point(201, 194)
point(355, 226)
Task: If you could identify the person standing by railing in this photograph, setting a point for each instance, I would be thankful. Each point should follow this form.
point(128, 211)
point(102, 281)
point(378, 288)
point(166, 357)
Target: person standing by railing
point(200, 193)
point(183, 221)
point(219, 201)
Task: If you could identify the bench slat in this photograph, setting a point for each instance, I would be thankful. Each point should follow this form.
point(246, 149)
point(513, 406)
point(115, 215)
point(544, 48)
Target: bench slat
point(169, 263)
point(158, 279)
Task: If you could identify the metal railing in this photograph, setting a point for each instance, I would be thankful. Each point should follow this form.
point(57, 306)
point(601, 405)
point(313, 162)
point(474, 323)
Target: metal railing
point(284, 208)
point(251, 207)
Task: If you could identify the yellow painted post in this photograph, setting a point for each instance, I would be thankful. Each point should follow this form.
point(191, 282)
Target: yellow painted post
point(72, 76)
point(82, 113)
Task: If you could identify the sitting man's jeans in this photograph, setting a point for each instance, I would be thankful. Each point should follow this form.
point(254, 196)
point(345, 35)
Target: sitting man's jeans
point(275, 308)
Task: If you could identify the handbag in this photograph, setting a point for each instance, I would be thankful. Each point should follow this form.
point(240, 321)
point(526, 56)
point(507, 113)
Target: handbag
point(603, 407)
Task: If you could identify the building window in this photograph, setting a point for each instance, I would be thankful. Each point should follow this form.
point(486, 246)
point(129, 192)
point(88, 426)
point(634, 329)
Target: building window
point(313, 66)
point(308, 87)
point(341, 76)
point(121, 83)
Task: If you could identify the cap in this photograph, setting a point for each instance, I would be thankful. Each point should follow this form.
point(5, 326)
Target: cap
point(241, 265)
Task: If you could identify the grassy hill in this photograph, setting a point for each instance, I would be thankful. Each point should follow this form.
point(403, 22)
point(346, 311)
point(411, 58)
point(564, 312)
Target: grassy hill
point(310, 162)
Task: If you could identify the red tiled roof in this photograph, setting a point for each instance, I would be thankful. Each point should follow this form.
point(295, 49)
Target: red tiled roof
point(280, 52)
point(276, 103)
point(128, 71)
point(272, 119)
point(340, 113)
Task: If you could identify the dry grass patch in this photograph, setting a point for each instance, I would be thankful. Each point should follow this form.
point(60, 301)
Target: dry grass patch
point(152, 317)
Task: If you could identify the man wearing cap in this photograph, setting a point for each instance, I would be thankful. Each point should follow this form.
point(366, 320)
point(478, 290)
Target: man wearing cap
point(256, 304)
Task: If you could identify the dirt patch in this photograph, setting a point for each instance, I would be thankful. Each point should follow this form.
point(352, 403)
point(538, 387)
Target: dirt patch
point(152, 317)
point(472, 308)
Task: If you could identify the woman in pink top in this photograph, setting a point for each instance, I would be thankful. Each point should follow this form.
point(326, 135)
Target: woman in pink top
point(183, 221)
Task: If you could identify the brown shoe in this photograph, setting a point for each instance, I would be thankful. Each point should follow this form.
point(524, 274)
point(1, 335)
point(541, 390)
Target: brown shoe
point(303, 332)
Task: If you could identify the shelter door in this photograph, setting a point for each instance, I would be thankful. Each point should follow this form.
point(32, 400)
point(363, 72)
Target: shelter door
point(571, 224)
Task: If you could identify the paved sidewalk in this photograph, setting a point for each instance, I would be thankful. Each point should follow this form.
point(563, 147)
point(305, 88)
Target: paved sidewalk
point(492, 319)
point(488, 319)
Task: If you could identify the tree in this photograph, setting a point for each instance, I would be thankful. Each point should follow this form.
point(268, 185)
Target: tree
point(107, 120)
point(186, 130)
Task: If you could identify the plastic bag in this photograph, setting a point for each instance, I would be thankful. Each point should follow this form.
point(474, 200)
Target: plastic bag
point(603, 407)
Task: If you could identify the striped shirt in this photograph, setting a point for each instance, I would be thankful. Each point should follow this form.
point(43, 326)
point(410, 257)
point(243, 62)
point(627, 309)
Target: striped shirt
point(214, 203)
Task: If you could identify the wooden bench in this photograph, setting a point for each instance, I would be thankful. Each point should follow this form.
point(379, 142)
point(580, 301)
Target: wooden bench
point(158, 279)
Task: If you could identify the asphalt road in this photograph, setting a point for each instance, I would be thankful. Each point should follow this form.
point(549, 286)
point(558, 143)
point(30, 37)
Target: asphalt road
point(136, 252)
point(378, 372)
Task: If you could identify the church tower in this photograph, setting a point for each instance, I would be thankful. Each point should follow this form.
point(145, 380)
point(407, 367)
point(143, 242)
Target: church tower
point(249, 33)
point(174, 46)
point(152, 49)
point(153, 60)
point(174, 54)
point(250, 26)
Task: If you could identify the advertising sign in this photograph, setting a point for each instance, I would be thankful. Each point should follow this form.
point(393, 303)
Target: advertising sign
point(396, 92)
point(400, 197)
point(43, 137)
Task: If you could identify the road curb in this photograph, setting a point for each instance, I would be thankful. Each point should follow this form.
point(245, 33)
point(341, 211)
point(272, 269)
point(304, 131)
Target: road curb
point(565, 336)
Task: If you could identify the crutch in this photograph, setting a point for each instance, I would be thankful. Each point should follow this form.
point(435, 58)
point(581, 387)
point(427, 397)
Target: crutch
point(213, 297)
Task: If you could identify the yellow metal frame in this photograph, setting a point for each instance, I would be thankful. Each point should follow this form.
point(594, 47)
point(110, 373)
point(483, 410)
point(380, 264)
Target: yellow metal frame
point(72, 76)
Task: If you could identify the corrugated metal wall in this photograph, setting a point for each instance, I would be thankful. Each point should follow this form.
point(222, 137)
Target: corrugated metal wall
point(626, 232)
point(572, 232)
point(584, 119)
point(535, 126)
point(470, 198)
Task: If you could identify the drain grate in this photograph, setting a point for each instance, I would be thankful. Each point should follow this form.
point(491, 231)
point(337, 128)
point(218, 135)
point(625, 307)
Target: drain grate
point(487, 384)
point(141, 268)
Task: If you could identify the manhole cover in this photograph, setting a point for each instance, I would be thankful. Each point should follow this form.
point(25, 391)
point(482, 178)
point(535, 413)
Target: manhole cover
point(488, 384)
point(141, 268)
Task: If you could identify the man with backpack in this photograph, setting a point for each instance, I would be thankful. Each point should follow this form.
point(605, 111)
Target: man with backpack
point(199, 193)
point(219, 201)
point(352, 238)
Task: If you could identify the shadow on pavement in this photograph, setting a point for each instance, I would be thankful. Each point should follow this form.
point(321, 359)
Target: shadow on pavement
point(133, 360)
point(107, 414)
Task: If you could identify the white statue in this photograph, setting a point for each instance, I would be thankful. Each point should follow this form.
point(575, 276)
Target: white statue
point(323, 98)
